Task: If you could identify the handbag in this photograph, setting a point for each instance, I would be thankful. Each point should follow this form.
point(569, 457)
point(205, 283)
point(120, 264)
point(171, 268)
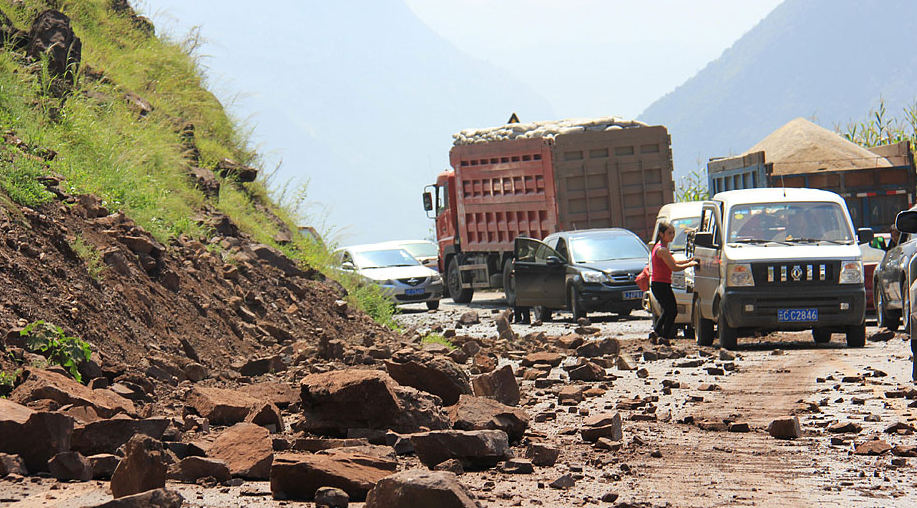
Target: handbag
point(643, 280)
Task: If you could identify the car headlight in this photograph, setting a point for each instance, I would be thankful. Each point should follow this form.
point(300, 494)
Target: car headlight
point(593, 276)
point(436, 278)
point(851, 272)
point(739, 275)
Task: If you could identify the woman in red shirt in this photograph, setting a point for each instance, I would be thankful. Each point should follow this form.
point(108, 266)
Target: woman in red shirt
point(662, 265)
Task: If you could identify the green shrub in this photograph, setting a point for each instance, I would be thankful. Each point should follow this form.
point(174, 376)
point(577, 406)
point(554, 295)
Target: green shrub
point(90, 255)
point(50, 341)
point(7, 379)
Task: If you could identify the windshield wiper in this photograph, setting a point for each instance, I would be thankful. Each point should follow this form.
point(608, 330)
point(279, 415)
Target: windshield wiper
point(750, 240)
point(804, 240)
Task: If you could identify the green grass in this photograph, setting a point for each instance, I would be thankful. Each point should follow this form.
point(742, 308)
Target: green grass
point(90, 255)
point(137, 164)
point(435, 338)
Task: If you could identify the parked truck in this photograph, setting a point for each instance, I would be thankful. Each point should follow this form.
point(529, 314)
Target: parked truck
point(538, 178)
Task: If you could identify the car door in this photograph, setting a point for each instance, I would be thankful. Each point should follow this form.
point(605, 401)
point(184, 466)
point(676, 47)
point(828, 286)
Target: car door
point(707, 272)
point(539, 274)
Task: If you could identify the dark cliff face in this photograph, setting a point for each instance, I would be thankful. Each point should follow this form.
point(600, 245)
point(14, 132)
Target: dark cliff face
point(829, 61)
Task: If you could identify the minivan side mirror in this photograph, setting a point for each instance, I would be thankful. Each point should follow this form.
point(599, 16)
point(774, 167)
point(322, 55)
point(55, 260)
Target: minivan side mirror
point(703, 239)
point(865, 235)
point(427, 201)
point(906, 221)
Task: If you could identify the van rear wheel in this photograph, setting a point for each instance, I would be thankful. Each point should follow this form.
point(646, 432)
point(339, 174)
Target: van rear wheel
point(703, 328)
point(821, 336)
point(856, 336)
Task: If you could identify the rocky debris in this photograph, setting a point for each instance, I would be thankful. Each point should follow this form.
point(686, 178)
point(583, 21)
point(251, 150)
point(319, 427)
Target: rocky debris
point(143, 467)
point(299, 476)
point(70, 466)
point(478, 413)
point(517, 466)
point(905, 450)
point(785, 428)
point(331, 497)
point(106, 436)
point(103, 465)
point(469, 318)
point(588, 371)
point(607, 425)
point(221, 406)
point(52, 36)
point(336, 401)
point(845, 427)
point(192, 469)
point(246, 448)
point(564, 482)
point(39, 384)
point(873, 447)
point(260, 366)
point(475, 449)
point(883, 335)
point(11, 464)
point(157, 498)
point(500, 384)
point(36, 437)
point(279, 394)
point(437, 375)
point(593, 348)
point(417, 487)
point(542, 358)
point(229, 168)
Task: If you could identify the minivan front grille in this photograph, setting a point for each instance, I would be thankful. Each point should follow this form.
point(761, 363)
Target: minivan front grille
point(787, 273)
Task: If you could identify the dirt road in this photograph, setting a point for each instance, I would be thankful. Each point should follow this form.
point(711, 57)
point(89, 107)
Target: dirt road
point(667, 459)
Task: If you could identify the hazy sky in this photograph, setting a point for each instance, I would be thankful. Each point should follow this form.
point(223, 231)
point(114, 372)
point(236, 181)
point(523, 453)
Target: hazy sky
point(583, 57)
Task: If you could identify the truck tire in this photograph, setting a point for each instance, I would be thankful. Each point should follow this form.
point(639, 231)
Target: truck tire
point(542, 314)
point(454, 281)
point(509, 285)
point(576, 304)
point(729, 336)
point(856, 336)
point(433, 304)
point(884, 317)
point(703, 328)
point(821, 335)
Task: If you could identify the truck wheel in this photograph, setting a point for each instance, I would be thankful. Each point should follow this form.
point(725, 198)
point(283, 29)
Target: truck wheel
point(821, 336)
point(509, 285)
point(576, 304)
point(433, 304)
point(728, 335)
point(542, 314)
point(454, 281)
point(856, 336)
point(703, 328)
point(884, 318)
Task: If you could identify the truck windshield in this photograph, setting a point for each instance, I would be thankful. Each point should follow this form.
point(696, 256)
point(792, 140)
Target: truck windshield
point(606, 248)
point(682, 226)
point(383, 258)
point(805, 222)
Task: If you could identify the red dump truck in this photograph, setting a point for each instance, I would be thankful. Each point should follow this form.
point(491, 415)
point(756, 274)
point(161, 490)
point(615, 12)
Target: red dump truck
point(537, 178)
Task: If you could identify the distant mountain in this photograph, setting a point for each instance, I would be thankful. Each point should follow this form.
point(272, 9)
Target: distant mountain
point(826, 60)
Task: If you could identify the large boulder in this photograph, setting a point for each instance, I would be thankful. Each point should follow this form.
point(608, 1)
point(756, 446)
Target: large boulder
point(500, 384)
point(42, 384)
point(221, 406)
point(191, 469)
point(34, 436)
point(143, 467)
point(475, 449)
point(280, 394)
point(336, 401)
point(417, 487)
point(70, 466)
point(298, 476)
point(106, 436)
point(52, 35)
point(437, 375)
point(478, 413)
point(247, 449)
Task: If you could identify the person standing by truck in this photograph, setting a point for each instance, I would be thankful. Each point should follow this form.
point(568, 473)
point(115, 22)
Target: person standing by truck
point(662, 265)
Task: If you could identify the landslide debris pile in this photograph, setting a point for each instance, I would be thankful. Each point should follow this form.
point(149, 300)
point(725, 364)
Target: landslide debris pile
point(543, 129)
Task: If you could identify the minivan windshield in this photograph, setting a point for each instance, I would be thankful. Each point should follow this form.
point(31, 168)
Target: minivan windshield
point(383, 258)
point(682, 226)
point(606, 248)
point(790, 223)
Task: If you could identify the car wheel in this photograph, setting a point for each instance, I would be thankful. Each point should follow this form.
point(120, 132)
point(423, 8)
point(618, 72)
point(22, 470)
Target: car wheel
point(576, 304)
point(454, 281)
point(703, 328)
point(509, 285)
point(542, 314)
point(624, 313)
point(821, 335)
point(856, 336)
point(728, 335)
point(433, 304)
point(884, 318)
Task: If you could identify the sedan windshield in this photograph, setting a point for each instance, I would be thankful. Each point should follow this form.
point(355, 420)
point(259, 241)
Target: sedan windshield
point(606, 248)
point(421, 249)
point(788, 223)
point(383, 258)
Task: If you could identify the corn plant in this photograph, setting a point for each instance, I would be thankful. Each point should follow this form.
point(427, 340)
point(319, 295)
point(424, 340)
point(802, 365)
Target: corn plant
point(51, 342)
point(693, 187)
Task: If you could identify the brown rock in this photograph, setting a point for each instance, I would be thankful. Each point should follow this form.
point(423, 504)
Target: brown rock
point(70, 466)
point(469, 318)
point(106, 436)
point(34, 436)
point(483, 362)
point(874, 447)
point(266, 415)
point(602, 425)
point(542, 454)
point(571, 394)
point(261, 366)
point(451, 465)
point(298, 476)
point(314, 444)
point(191, 469)
point(587, 372)
point(143, 468)
point(247, 449)
point(517, 466)
point(476, 449)
point(103, 465)
point(543, 358)
point(478, 413)
point(12, 464)
point(570, 341)
point(500, 384)
point(221, 407)
point(51, 36)
point(157, 498)
point(420, 488)
point(280, 394)
point(905, 450)
point(439, 376)
point(45, 384)
point(331, 497)
point(845, 427)
point(785, 428)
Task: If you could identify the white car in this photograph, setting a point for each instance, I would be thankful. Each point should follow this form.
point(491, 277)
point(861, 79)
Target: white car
point(395, 270)
point(425, 251)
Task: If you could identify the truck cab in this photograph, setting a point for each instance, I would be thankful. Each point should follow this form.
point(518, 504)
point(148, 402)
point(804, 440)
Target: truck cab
point(778, 259)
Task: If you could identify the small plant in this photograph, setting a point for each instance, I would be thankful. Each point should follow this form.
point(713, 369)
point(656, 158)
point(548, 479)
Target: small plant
point(90, 255)
point(435, 338)
point(50, 341)
point(693, 187)
point(6, 382)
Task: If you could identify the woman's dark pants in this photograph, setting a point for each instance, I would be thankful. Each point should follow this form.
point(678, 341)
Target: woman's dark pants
point(665, 326)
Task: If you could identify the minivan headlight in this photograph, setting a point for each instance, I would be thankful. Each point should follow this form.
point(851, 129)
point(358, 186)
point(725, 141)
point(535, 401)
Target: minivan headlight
point(851, 272)
point(593, 276)
point(739, 275)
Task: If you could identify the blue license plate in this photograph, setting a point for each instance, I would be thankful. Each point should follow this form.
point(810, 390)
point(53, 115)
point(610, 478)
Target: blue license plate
point(412, 292)
point(797, 315)
point(633, 295)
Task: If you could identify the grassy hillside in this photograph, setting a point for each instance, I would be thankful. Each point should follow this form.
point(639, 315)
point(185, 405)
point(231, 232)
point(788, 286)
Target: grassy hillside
point(136, 162)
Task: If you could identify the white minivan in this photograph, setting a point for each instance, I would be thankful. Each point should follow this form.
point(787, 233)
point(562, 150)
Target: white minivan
point(778, 259)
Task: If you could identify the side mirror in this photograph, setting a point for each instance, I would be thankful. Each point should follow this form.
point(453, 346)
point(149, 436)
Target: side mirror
point(427, 202)
point(703, 239)
point(865, 235)
point(347, 265)
point(906, 221)
point(554, 261)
